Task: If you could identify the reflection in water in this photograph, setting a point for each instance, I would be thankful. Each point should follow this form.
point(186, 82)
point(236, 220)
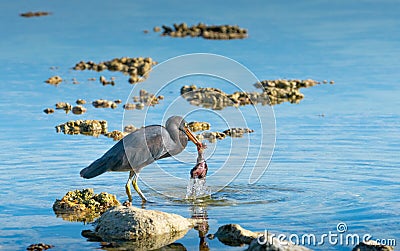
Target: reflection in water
point(199, 212)
point(157, 242)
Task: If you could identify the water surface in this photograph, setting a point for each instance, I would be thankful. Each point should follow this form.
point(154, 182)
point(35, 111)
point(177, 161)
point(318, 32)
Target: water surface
point(339, 167)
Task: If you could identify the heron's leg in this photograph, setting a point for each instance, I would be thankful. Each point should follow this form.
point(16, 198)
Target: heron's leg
point(137, 189)
point(128, 185)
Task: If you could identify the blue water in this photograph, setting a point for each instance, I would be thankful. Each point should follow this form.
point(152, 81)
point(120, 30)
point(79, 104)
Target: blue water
point(339, 167)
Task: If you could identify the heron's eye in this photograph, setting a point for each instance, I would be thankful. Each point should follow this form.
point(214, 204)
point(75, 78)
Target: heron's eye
point(185, 124)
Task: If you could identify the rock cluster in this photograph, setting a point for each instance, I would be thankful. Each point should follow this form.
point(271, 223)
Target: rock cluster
point(130, 128)
point(285, 90)
point(84, 205)
point(273, 92)
point(137, 68)
point(205, 31)
point(54, 80)
point(90, 128)
point(80, 101)
point(237, 132)
point(78, 110)
point(195, 126)
point(48, 110)
point(212, 137)
point(35, 14)
point(143, 229)
point(64, 106)
point(102, 103)
point(145, 98)
point(104, 81)
point(67, 107)
point(216, 99)
point(86, 127)
point(39, 247)
point(116, 135)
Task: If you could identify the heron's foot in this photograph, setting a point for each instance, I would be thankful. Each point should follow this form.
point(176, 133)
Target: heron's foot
point(127, 203)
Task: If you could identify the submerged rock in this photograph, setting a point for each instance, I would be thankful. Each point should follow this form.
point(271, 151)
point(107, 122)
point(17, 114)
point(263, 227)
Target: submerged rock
point(137, 68)
point(48, 110)
point(35, 14)
point(116, 135)
point(195, 126)
point(273, 92)
point(372, 246)
point(139, 229)
point(102, 103)
point(78, 109)
point(54, 80)
point(104, 81)
point(84, 205)
point(80, 101)
point(86, 127)
point(39, 247)
point(145, 98)
point(286, 90)
point(212, 137)
point(90, 128)
point(205, 31)
point(130, 128)
point(237, 132)
point(235, 235)
point(64, 106)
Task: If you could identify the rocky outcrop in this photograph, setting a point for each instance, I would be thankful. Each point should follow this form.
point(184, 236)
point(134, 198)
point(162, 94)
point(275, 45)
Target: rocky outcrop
point(64, 106)
point(54, 80)
point(86, 127)
point(137, 68)
point(235, 235)
point(39, 247)
point(205, 31)
point(372, 246)
point(145, 98)
point(131, 223)
point(103, 103)
point(78, 110)
point(139, 229)
point(273, 92)
point(83, 205)
point(35, 14)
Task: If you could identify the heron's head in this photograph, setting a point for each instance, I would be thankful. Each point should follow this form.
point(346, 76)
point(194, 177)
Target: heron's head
point(183, 126)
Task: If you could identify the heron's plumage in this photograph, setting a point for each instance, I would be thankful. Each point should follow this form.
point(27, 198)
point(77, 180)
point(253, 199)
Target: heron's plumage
point(141, 148)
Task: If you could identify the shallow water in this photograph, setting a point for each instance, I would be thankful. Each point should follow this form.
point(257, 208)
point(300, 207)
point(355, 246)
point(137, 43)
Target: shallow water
point(336, 153)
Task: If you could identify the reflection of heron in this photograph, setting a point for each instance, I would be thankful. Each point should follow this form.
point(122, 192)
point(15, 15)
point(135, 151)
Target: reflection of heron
point(141, 148)
point(199, 212)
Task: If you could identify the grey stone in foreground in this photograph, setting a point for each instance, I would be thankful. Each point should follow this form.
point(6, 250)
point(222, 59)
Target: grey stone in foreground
point(235, 235)
point(372, 246)
point(140, 229)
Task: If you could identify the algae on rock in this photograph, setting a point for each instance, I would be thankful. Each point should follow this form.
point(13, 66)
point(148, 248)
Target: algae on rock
point(84, 205)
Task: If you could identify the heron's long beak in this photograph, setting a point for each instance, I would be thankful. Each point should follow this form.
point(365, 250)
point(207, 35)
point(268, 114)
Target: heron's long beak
point(193, 138)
